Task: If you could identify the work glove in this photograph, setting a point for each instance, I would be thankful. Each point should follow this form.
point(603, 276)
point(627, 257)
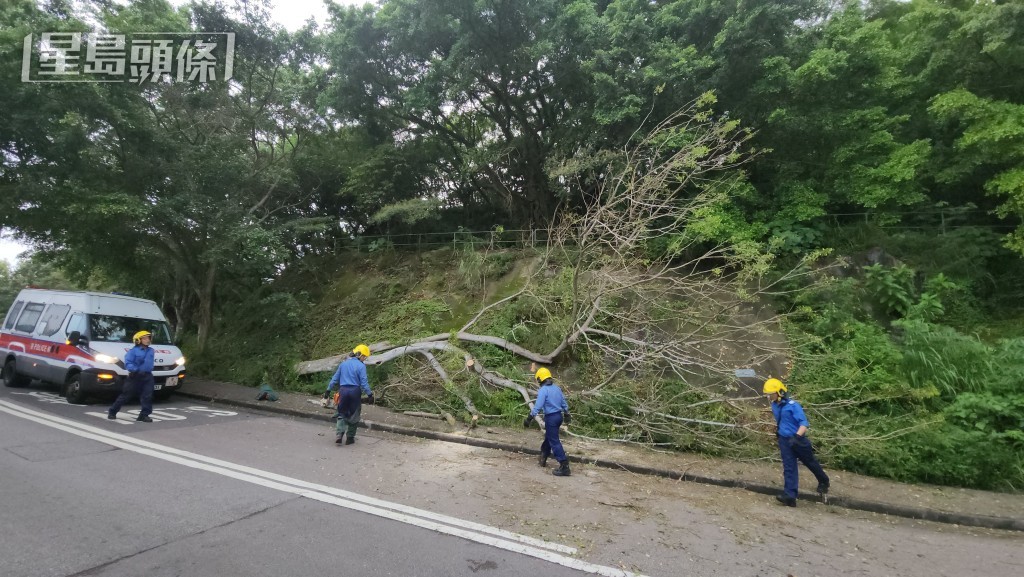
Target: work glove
point(369, 399)
point(327, 394)
point(526, 423)
point(566, 418)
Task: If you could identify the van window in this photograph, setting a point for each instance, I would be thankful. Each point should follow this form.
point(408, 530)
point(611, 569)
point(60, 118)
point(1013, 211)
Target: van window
point(29, 317)
point(77, 323)
point(106, 328)
point(53, 318)
point(13, 315)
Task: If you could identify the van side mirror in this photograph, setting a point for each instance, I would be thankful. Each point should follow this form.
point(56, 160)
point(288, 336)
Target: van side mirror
point(76, 339)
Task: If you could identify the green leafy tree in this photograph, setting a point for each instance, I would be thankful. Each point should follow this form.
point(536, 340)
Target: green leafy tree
point(488, 84)
point(990, 142)
point(838, 134)
point(966, 60)
point(180, 191)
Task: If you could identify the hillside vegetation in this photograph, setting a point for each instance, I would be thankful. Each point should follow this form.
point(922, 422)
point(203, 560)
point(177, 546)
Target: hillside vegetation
point(650, 195)
point(909, 369)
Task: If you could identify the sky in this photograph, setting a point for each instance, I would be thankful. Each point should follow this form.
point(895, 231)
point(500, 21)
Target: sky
point(291, 14)
point(9, 250)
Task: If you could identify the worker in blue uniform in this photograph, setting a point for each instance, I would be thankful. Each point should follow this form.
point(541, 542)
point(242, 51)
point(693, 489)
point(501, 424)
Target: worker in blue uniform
point(350, 379)
point(794, 445)
point(551, 403)
point(139, 363)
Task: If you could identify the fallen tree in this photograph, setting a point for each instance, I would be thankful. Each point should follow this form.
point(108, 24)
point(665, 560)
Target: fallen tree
point(658, 287)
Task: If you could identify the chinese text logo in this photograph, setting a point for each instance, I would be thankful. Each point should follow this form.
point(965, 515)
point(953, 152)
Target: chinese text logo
point(139, 57)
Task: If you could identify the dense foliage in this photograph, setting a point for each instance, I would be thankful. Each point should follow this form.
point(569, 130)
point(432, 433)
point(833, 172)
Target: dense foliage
point(889, 131)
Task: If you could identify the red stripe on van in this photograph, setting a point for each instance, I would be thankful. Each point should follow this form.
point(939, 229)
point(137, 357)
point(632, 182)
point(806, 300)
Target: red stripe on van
point(39, 347)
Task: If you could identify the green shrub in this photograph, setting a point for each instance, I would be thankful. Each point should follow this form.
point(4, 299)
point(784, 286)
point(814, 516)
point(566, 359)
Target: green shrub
point(942, 454)
point(253, 342)
point(941, 356)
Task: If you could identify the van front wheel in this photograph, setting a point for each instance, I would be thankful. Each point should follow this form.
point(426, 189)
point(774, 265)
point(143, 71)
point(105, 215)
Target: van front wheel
point(11, 376)
point(73, 390)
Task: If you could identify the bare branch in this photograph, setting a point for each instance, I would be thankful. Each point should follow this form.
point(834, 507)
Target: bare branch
point(487, 308)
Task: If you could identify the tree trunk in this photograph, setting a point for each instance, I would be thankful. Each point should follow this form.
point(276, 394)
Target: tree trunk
point(205, 320)
point(182, 309)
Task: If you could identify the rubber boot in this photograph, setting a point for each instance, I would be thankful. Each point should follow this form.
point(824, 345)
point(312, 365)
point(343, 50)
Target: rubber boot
point(787, 501)
point(349, 430)
point(822, 488)
point(542, 461)
point(339, 439)
point(562, 470)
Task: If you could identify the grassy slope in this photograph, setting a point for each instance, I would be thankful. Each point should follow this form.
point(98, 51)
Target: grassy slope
point(329, 304)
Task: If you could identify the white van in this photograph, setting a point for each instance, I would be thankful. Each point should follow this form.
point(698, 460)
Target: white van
point(78, 340)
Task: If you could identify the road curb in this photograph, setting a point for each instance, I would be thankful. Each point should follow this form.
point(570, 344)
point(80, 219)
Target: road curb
point(922, 513)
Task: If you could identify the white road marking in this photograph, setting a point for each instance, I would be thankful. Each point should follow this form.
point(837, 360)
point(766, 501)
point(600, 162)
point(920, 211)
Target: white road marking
point(164, 415)
point(212, 412)
point(122, 419)
point(469, 530)
point(52, 398)
point(129, 417)
point(44, 397)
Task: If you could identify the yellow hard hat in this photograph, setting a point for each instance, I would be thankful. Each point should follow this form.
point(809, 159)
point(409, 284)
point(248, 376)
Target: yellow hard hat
point(362, 350)
point(542, 374)
point(774, 386)
point(137, 337)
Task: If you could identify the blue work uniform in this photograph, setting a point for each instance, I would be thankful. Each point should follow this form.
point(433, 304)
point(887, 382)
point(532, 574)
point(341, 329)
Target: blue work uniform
point(350, 378)
point(551, 402)
point(139, 362)
point(789, 416)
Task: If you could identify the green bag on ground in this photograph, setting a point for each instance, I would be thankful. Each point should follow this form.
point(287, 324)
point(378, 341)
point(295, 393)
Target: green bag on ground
point(266, 393)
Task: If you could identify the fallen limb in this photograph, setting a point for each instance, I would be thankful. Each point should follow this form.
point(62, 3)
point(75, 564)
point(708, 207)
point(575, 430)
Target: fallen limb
point(444, 377)
point(685, 420)
point(330, 363)
point(488, 307)
point(424, 415)
point(424, 347)
point(436, 365)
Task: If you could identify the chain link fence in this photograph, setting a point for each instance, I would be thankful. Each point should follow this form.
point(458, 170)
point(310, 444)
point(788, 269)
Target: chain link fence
point(496, 238)
point(941, 219)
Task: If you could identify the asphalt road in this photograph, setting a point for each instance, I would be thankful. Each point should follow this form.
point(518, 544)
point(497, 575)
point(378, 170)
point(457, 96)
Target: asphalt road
point(209, 490)
point(82, 495)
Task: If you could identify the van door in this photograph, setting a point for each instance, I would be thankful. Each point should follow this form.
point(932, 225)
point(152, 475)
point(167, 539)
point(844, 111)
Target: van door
point(53, 370)
point(76, 324)
point(24, 327)
point(12, 315)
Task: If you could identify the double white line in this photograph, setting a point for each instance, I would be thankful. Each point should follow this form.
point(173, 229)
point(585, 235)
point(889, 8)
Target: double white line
point(484, 534)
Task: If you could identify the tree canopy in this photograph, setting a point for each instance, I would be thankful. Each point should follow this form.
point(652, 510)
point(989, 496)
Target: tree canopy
point(415, 117)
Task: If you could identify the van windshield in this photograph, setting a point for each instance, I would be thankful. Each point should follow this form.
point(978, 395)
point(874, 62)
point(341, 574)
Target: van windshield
point(111, 329)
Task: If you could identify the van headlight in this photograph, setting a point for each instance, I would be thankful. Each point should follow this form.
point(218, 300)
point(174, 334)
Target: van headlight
point(102, 358)
point(180, 361)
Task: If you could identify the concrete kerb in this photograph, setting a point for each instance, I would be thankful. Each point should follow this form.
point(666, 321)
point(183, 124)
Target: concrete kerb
point(922, 513)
